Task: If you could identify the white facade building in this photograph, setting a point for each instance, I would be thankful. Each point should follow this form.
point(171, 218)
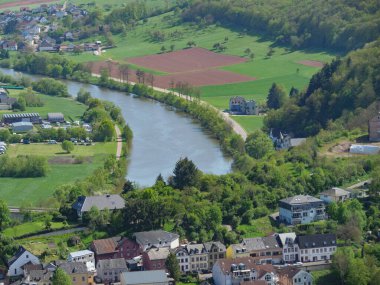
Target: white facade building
point(316, 247)
point(84, 256)
point(183, 259)
point(21, 258)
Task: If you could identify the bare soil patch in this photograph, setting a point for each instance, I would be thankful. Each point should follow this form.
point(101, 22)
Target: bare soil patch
point(195, 78)
point(24, 3)
point(312, 63)
point(69, 160)
point(186, 60)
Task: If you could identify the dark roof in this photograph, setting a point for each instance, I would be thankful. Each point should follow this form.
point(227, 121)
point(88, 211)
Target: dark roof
point(115, 263)
point(300, 199)
point(271, 242)
point(74, 267)
point(145, 277)
point(196, 248)
point(104, 246)
point(19, 252)
point(318, 240)
point(218, 244)
point(102, 202)
point(39, 275)
point(55, 115)
point(153, 237)
point(255, 282)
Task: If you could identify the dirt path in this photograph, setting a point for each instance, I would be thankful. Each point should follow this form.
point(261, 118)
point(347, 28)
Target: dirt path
point(225, 116)
point(119, 142)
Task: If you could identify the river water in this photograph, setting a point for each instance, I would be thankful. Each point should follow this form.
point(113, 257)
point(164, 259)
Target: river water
point(161, 136)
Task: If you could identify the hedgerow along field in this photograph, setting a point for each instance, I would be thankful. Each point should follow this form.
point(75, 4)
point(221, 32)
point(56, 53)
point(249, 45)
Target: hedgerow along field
point(282, 67)
point(37, 191)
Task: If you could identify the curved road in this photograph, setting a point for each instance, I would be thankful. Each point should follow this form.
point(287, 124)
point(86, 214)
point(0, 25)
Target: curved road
point(225, 116)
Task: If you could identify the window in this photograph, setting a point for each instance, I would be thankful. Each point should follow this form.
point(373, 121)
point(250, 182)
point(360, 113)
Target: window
point(285, 250)
point(27, 256)
point(268, 278)
point(83, 279)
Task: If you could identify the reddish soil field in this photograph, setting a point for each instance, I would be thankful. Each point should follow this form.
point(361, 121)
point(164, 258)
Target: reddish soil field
point(195, 78)
point(312, 63)
point(185, 60)
point(24, 3)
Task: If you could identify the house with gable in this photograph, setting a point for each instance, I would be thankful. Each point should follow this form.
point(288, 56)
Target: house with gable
point(109, 270)
point(316, 247)
point(21, 258)
point(216, 250)
point(291, 275)
point(102, 202)
point(155, 258)
point(198, 257)
point(158, 239)
point(334, 194)
point(290, 250)
point(183, 259)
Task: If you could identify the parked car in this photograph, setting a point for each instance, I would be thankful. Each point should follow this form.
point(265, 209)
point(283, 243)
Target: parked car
point(52, 142)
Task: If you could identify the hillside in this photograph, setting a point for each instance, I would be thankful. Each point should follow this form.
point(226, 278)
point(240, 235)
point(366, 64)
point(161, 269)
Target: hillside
point(347, 89)
point(340, 25)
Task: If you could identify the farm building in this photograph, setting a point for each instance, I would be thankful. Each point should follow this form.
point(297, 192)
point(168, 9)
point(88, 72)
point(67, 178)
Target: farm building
point(55, 117)
point(364, 149)
point(22, 127)
point(21, 117)
point(374, 129)
point(6, 102)
point(241, 106)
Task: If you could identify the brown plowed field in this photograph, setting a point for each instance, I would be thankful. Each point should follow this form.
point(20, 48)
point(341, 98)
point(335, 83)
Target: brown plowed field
point(185, 60)
point(195, 78)
point(24, 3)
point(312, 63)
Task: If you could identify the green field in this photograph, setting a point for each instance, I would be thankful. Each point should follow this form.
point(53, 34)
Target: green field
point(36, 191)
point(67, 106)
point(249, 123)
point(258, 228)
point(282, 67)
point(322, 277)
point(31, 227)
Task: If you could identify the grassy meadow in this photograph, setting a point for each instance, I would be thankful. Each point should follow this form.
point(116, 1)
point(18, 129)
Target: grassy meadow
point(249, 123)
point(62, 170)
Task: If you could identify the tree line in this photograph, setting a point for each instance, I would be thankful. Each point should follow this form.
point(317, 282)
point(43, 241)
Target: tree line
point(340, 25)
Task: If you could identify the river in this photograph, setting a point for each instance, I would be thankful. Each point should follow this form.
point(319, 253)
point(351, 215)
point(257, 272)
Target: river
point(161, 136)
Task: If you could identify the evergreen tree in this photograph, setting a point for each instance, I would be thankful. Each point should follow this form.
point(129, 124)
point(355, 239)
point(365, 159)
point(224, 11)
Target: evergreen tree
point(186, 174)
point(172, 265)
point(276, 97)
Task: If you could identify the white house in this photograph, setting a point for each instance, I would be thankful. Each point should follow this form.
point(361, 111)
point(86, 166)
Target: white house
point(235, 271)
point(183, 259)
point(21, 258)
point(316, 247)
point(290, 250)
point(84, 256)
point(157, 239)
point(335, 194)
point(291, 275)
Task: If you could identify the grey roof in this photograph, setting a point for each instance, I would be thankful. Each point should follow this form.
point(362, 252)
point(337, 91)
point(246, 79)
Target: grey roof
point(40, 275)
point(21, 115)
point(153, 237)
point(19, 252)
point(253, 243)
point(283, 237)
point(116, 263)
point(270, 242)
point(102, 202)
point(145, 277)
point(19, 124)
point(196, 248)
point(55, 115)
point(318, 240)
point(74, 267)
point(335, 192)
point(297, 141)
point(300, 199)
point(218, 244)
point(158, 253)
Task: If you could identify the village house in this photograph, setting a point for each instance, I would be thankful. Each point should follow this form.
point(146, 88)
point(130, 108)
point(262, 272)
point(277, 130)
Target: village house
point(334, 194)
point(86, 257)
point(37, 275)
point(183, 259)
point(216, 250)
point(116, 247)
point(154, 277)
point(109, 270)
point(102, 202)
point(284, 141)
point(290, 250)
point(156, 239)
point(155, 258)
point(374, 129)
point(55, 117)
point(301, 209)
point(198, 257)
point(239, 270)
point(78, 273)
point(262, 250)
point(240, 106)
point(291, 275)
point(22, 257)
point(316, 247)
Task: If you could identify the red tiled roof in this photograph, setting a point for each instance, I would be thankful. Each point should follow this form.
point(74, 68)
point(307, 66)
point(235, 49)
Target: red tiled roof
point(103, 246)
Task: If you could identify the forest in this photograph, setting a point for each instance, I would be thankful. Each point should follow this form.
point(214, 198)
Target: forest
point(339, 25)
point(343, 95)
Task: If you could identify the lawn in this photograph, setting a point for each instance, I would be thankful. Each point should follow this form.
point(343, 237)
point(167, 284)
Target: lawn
point(258, 228)
point(30, 227)
point(250, 123)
